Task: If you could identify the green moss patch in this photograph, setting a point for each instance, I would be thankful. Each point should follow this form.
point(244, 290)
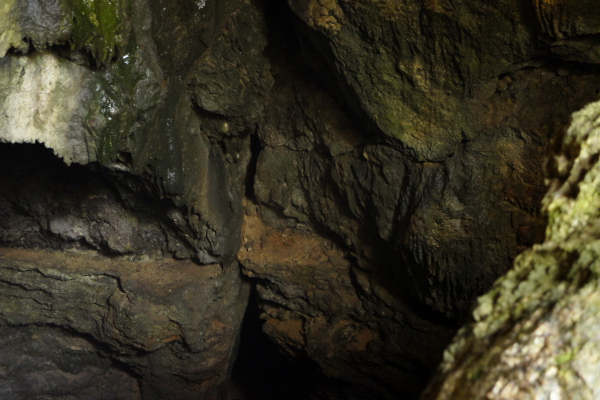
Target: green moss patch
point(100, 27)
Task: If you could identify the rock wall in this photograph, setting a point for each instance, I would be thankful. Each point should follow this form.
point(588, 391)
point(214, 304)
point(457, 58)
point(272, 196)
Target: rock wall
point(368, 167)
point(533, 334)
point(172, 324)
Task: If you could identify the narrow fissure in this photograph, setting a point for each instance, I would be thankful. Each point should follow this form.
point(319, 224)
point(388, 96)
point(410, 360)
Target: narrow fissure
point(261, 371)
point(255, 149)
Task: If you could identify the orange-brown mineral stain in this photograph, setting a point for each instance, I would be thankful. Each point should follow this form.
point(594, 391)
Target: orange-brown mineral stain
point(170, 339)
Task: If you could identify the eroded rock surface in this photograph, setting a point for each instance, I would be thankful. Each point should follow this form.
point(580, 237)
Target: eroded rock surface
point(41, 102)
point(313, 306)
point(113, 92)
point(52, 363)
point(533, 334)
point(428, 220)
point(45, 204)
point(172, 324)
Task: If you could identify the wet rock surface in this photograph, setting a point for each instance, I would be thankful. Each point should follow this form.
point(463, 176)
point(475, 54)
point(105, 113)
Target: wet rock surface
point(370, 168)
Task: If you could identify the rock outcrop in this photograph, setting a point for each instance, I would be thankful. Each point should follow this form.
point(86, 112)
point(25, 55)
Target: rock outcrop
point(52, 363)
point(534, 332)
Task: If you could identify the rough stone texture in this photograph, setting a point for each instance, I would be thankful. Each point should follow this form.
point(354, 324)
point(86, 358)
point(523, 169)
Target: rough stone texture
point(41, 22)
point(98, 28)
point(427, 211)
point(121, 101)
point(54, 364)
point(99, 90)
point(399, 144)
point(232, 79)
point(41, 99)
point(572, 27)
point(45, 204)
point(408, 66)
point(311, 308)
point(434, 216)
point(534, 332)
point(171, 324)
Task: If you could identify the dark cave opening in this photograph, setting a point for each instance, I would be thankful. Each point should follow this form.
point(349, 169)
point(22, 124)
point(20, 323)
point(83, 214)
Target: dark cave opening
point(261, 371)
point(46, 204)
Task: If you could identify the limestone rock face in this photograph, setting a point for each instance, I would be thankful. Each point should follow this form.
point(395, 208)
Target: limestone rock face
point(40, 23)
point(533, 334)
point(42, 102)
point(414, 63)
point(395, 200)
point(108, 93)
point(136, 185)
point(417, 228)
point(424, 166)
point(570, 27)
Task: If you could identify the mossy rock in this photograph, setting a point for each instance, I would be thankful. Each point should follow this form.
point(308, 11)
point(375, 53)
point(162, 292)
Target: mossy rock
point(533, 332)
point(100, 27)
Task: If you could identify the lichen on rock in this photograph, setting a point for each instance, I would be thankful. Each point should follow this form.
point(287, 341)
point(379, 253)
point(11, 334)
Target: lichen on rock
point(98, 27)
point(533, 332)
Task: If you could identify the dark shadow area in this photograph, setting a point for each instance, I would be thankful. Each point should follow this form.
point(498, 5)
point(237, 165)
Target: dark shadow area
point(261, 372)
point(46, 204)
point(299, 56)
point(69, 364)
point(255, 148)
